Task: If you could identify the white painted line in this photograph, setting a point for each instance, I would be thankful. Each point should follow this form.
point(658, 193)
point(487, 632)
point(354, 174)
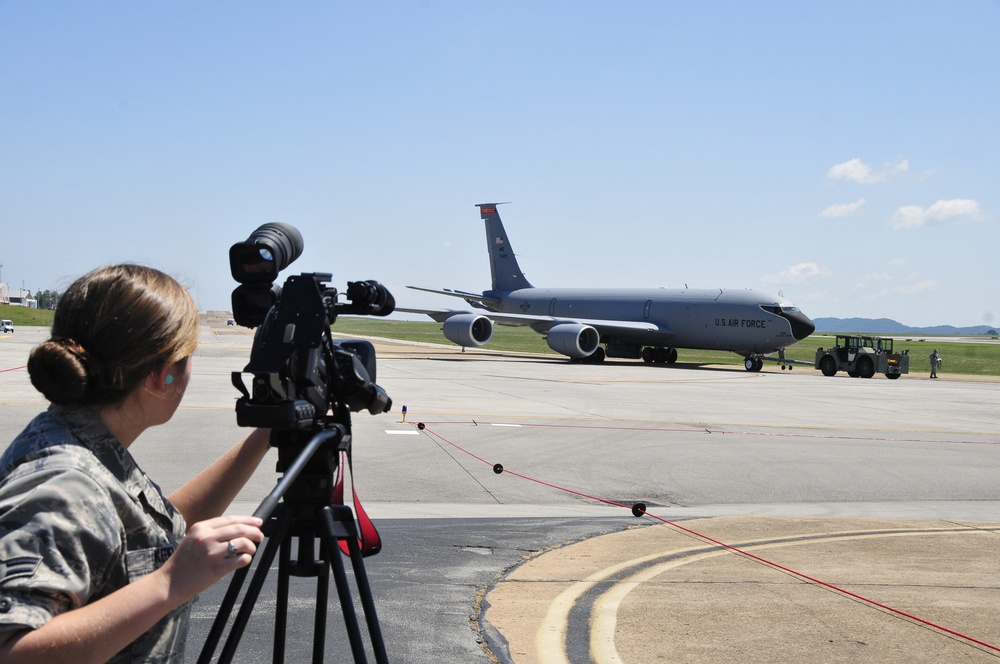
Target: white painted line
point(402, 432)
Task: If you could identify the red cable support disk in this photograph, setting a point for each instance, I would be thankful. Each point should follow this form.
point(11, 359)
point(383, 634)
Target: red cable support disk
point(639, 509)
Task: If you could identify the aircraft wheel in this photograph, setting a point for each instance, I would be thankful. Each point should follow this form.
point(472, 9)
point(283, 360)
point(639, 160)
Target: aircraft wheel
point(597, 357)
point(758, 364)
point(671, 355)
point(660, 355)
point(647, 354)
point(749, 363)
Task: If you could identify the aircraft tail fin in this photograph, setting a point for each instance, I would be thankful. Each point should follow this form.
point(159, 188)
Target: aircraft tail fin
point(506, 273)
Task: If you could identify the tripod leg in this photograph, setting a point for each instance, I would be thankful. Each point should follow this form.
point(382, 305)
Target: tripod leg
point(322, 601)
point(338, 523)
point(281, 604)
point(274, 542)
point(232, 593)
point(367, 601)
point(222, 617)
point(346, 601)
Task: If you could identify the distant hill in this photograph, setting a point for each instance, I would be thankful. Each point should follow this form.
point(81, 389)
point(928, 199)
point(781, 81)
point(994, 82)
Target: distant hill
point(885, 326)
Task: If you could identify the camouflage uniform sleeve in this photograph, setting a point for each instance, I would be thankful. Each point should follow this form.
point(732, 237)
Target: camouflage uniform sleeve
point(60, 536)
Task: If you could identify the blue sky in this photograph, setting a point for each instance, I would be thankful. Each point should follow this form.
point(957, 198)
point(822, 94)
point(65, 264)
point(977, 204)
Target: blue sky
point(845, 154)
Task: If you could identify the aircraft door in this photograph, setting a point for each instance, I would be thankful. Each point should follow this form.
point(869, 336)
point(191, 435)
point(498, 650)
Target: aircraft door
point(552, 307)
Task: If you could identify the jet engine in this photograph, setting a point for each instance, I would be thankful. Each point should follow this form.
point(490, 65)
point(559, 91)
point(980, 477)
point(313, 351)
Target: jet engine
point(573, 339)
point(468, 329)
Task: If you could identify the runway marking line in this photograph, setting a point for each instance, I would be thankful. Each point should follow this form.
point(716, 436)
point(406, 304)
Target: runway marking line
point(552, 633)
point(717, 427)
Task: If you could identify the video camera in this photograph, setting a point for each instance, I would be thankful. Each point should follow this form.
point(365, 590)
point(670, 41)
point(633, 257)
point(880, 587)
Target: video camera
point(303, 380)
point(304, 388)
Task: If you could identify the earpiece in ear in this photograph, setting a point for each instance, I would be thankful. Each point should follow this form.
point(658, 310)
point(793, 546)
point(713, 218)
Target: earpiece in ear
point(169, 379)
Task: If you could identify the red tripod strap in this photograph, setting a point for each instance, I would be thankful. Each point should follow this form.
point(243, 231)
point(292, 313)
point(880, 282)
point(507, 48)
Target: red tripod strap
point(369, 541)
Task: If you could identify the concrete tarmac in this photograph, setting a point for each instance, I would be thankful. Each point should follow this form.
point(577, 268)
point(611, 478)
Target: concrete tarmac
point(789, 516)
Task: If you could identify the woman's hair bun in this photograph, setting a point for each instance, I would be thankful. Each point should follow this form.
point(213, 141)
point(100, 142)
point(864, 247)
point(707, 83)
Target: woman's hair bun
point(58, 369)
point(114, 327)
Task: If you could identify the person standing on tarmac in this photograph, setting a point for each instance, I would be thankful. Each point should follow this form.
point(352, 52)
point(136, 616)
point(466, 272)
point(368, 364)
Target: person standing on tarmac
point(935, 361)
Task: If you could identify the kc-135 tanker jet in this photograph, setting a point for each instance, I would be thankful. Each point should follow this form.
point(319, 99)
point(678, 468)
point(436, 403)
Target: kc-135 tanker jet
point(646, 323)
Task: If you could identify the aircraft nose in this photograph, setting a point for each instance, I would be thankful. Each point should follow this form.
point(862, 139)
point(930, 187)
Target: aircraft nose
point(802, 325)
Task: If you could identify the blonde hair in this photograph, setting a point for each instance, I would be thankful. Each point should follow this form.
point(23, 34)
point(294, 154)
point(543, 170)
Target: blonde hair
point(113, 327)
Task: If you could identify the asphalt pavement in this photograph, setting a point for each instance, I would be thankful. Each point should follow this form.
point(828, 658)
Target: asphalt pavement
point(788, 516)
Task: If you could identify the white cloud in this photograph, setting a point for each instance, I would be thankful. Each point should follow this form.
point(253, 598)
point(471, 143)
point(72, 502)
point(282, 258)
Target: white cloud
point(897, 262)
point(858, 171)
point(955, 209)
point(881, 285)
point(796, 274)
point(869, 280)
point(842, 209)
point(911, 288)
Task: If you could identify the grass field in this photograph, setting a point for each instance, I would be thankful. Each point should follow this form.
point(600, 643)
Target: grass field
point(978, 358)
point(25, 316)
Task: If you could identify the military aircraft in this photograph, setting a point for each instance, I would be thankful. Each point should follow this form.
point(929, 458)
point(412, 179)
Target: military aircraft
point(645, 323)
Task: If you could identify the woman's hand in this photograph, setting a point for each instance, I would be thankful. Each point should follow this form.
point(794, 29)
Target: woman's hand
point(210, 550)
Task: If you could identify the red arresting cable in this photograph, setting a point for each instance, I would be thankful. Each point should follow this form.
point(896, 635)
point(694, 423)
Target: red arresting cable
point(639, 509)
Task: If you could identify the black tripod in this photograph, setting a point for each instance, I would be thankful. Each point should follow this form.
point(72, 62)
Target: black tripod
point(305, 513)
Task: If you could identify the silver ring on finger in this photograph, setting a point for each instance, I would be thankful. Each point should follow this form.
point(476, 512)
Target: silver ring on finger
point(231, 550)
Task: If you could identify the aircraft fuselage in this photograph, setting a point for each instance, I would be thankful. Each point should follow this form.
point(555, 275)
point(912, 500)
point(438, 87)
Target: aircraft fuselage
point(741, 321)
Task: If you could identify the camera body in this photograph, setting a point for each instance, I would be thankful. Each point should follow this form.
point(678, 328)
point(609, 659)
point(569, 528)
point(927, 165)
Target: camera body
point(302, 380)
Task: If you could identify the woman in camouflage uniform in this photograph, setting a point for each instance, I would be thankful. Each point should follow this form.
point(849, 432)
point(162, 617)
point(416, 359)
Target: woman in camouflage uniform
point(96, 564)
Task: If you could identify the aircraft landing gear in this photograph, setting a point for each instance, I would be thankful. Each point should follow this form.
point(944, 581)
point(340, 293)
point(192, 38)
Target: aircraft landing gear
point(597, 357)
point(753, 363)
point(659, 355)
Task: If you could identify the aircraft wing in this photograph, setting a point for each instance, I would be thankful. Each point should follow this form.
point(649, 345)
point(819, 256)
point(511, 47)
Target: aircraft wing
point(477, 300)
point(439, 315)
point(541, 323)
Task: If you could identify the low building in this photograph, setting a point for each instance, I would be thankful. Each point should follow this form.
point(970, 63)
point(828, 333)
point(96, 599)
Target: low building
point(18, 298)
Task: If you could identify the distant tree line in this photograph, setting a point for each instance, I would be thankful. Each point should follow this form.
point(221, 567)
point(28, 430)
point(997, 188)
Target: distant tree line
point(47, 299)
